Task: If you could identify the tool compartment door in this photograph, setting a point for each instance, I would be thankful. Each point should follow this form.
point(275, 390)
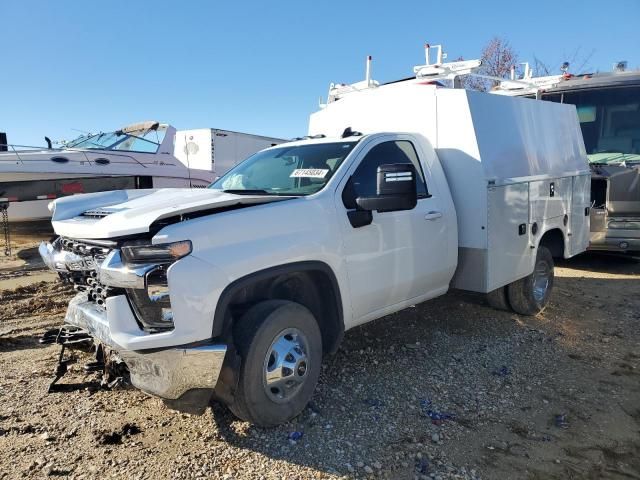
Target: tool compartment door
point(550, 198)
point(580, 219)
point(510, 254)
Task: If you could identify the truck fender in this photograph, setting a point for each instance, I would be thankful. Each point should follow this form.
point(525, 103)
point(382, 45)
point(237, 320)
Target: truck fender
point(331, 318)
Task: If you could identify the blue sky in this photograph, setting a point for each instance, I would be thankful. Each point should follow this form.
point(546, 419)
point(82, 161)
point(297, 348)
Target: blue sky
point(258, 67)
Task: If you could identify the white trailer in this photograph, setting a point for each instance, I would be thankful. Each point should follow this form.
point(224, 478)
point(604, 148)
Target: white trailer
point(218, 150)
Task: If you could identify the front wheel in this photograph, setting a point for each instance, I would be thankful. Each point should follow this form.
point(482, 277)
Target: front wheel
point(281, 349)
point(530, 295)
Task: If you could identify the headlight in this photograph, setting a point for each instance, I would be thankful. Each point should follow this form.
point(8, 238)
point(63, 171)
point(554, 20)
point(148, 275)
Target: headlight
point(152, 305)
point(162, 253)
point(628, 225)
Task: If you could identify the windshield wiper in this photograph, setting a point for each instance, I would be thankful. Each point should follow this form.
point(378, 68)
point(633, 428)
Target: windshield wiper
point(240, 191)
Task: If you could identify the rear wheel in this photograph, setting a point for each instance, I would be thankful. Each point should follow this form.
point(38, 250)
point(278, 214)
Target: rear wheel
point(530, 295)
point(498, 299)
point(281, 349)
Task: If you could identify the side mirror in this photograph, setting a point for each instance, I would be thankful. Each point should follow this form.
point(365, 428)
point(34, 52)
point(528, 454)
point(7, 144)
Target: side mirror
point(396, 189)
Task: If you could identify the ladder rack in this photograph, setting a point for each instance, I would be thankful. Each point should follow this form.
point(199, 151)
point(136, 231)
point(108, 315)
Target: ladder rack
point(431, 71)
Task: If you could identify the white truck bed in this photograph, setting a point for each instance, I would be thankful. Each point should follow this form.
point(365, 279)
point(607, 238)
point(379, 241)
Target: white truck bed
point(500, 155)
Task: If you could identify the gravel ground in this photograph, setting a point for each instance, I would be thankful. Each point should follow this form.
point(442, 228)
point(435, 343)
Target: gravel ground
point(446, 389)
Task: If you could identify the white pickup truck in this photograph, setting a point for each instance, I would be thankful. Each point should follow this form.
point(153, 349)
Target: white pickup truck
point(237, 291)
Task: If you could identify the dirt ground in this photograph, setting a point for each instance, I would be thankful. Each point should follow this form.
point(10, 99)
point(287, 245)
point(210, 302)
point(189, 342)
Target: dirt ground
point(447, 389)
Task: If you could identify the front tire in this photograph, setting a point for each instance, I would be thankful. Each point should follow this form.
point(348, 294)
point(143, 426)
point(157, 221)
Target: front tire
point(530, 295)
point(281, 349)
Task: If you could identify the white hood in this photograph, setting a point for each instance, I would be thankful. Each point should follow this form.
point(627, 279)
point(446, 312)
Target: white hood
point(125, 212)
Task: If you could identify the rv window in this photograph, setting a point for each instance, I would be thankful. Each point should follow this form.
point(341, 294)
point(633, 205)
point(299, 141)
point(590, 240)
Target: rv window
point(552, 97)
point(610, 122)
point(586, 114)
point(363, 182)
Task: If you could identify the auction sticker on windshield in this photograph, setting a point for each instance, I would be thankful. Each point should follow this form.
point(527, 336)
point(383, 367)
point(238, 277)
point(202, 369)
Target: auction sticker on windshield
point(309, 173)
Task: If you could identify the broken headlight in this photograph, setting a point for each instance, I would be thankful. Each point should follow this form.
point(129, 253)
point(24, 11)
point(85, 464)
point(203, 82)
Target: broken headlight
point(152, 305)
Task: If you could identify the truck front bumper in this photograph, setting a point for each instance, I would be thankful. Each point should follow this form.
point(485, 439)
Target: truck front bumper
point(185, 375)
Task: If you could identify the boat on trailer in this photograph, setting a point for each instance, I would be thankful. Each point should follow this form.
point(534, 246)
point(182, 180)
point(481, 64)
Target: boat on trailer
point(141, 155)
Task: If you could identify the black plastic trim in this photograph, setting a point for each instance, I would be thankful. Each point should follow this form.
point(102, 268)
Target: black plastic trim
point(360, 218)
point(234, 287)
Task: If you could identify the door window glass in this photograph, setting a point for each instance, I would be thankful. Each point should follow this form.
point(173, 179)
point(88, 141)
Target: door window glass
point(363, 183)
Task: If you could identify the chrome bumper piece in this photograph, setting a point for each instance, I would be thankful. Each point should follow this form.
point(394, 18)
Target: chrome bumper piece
point(173, 372)
point(112, 272)
point(62, 260)
point(168, 373)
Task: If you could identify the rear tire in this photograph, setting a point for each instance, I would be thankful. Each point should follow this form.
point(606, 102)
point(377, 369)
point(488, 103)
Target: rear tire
point(281, 349)
point(498, 299)
point(530, 295)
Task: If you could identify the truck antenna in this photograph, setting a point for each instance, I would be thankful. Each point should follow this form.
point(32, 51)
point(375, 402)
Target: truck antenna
point(367, 75)
point(186, 151)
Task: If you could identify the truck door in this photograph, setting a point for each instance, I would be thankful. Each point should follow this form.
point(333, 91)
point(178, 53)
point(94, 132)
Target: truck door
point(397, 256)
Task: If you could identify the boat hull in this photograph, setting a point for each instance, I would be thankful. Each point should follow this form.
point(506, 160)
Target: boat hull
point(28, 196)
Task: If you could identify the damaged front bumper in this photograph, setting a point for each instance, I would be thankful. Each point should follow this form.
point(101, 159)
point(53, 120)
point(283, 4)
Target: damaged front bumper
point(185, 376)
point(166, 364)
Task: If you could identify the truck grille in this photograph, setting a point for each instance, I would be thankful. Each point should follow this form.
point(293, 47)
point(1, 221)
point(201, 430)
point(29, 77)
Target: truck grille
point(83, 275)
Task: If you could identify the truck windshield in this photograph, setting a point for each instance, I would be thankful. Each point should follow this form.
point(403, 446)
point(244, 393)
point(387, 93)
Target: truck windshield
point(610, 122)
point(292, 170)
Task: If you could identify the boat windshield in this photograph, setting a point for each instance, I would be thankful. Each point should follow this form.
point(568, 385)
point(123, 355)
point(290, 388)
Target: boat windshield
point(288, 170)
point(142, 140)
point(610, 122)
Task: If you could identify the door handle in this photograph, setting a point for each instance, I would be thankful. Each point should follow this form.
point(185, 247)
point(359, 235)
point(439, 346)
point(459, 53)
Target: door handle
point(433, 215)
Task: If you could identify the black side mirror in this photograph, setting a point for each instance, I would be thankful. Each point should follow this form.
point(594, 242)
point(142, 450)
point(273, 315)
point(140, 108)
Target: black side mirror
point(396, 189)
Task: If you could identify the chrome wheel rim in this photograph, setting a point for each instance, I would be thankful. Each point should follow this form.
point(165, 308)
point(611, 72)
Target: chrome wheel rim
point(286, 365)
point(541, 280)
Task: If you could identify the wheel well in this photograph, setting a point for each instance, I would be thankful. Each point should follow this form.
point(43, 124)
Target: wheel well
point(310, 284)
point(554, 241)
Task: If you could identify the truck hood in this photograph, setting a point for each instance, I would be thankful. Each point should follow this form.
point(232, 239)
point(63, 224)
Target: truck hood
point(120, 213)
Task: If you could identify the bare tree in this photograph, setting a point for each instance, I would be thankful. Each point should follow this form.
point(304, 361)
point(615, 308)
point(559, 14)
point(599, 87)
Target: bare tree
point(497, 59)
point(540, 69)
point(577, 60)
